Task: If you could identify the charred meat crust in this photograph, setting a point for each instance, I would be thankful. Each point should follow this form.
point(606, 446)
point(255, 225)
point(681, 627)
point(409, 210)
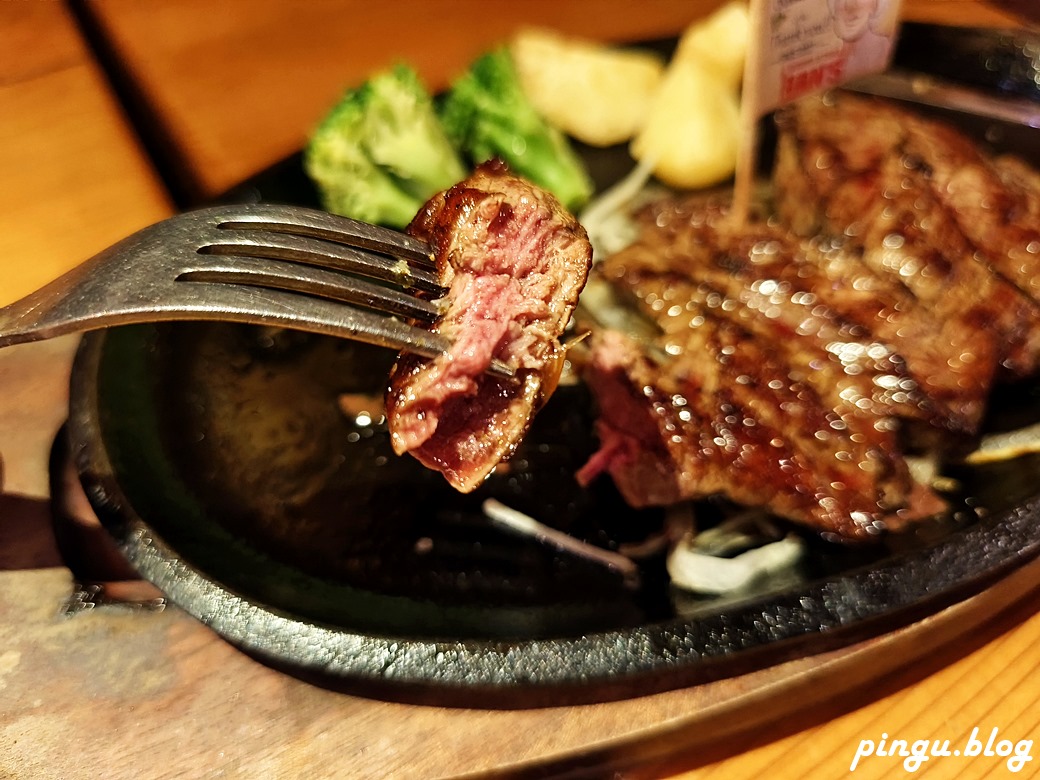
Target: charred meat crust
point(769, 395)
point(822, 304)
point(706, 426)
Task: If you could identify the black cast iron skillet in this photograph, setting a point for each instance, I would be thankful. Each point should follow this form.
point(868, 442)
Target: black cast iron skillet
point(247, 474)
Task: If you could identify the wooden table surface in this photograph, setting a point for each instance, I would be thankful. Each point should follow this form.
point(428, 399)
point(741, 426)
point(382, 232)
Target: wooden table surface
point(113, 113)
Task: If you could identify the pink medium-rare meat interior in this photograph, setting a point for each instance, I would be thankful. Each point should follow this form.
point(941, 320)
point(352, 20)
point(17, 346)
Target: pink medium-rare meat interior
point(514, 262)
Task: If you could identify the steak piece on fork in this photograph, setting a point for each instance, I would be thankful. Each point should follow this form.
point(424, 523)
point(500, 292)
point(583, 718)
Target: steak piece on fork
point(513, 261)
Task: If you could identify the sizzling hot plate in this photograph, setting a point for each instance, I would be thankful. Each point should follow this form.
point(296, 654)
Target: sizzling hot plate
point(246, 472)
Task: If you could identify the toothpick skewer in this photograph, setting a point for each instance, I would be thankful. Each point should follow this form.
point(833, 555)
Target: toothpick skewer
point(747, 148)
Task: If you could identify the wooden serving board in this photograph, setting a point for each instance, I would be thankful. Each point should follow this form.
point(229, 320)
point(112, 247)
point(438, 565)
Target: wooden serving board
point(131, 693)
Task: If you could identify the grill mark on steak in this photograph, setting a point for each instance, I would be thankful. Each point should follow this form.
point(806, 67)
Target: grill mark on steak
point(852, 462)
point(702, 425)
point(937, 368)
point(995, 210)
point(808, 361)
point(896, 187)
point(514, 262)
point(853, 335)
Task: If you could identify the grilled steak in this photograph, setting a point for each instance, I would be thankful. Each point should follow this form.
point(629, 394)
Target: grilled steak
point(865, 332)
point(514, 263)
point(927, 209)
point(724, 417)
point(766, 383)
point(896, 282)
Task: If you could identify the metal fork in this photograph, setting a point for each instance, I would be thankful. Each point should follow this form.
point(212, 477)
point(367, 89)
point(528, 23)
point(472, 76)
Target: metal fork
point(255, 263)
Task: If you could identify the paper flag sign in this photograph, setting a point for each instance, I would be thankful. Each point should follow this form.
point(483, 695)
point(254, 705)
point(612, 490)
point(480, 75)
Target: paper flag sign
point(803, 46)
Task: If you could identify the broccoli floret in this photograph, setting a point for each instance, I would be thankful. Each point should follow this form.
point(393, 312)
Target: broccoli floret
point(486, 114)
point(381, 152)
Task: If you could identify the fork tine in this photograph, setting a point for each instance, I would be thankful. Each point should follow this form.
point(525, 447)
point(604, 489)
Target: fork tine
point(329, 227)
point(301, 312)
point(135, 281)
point(309, 236)
point(312, 280)
point(249, 304)
point(314, 251)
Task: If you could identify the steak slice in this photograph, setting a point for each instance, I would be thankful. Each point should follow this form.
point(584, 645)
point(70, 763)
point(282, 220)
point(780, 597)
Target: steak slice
point(833, 319)
point(888, 182)
point(723, 417)
point(992, 201)
point(514, 262)
point(824, 293)
point(773, 378)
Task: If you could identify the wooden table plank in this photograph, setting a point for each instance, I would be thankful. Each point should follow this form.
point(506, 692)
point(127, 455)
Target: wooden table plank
point(242, 90)
point(120, 693)
point(75, 181)
point(75, 177)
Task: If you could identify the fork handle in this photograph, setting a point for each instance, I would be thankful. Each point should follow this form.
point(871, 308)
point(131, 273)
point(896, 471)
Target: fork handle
point(84, 300)
point(45, 313)
point(87, 298)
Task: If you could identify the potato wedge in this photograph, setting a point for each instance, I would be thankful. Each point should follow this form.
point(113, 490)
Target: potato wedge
point(596, 93)
point(719, 43)
point(691, 130)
